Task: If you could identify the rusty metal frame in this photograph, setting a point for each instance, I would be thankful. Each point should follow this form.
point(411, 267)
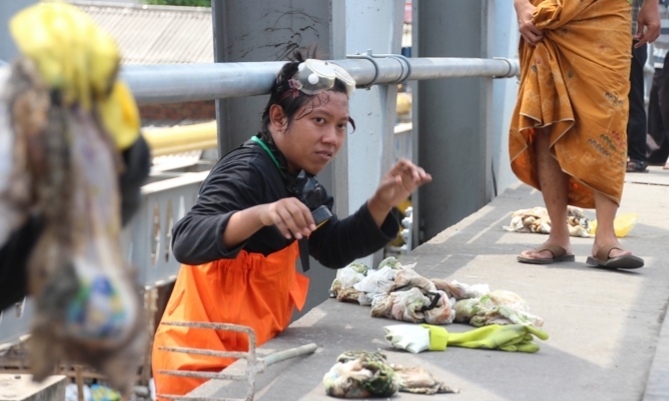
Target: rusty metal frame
point(254, 364)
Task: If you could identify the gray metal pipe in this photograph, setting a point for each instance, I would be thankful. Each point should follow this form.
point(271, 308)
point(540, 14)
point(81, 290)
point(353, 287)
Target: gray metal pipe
point(170, 83)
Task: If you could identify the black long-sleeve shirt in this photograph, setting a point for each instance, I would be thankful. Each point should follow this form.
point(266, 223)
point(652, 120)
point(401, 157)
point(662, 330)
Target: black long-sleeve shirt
point(247, 177)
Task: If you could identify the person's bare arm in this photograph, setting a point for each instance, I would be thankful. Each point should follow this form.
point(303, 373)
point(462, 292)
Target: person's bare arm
point(396, 187)
point(529, 32)
point(648, 23)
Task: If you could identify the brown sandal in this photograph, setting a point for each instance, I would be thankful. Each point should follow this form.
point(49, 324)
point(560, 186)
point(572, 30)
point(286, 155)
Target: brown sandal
point(621, 262)
point(559, 255)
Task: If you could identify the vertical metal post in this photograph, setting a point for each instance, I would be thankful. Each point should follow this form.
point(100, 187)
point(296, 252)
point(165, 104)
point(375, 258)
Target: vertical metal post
point(454, 115)
point(371, 147)
point(258, 30)
point(340, 164)
point(505, 44)
point(277, 29)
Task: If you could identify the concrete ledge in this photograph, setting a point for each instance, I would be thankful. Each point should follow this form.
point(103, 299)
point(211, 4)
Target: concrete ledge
point(609, 335)
point(21, 387)
point(657, 388)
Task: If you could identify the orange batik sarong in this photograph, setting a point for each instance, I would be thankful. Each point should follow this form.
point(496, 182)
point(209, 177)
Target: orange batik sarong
point(576, 81)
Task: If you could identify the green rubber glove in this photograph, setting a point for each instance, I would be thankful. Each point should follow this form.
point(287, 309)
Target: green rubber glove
point(509, 337)
point(439, 337)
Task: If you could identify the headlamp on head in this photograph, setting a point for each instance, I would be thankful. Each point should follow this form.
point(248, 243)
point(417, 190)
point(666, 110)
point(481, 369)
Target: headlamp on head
point(315, 76)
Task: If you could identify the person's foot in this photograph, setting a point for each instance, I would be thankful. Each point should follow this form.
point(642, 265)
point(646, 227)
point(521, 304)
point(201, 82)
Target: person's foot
point(613, 257)
point(637, 166)
point(547, 254)
point(615, 250)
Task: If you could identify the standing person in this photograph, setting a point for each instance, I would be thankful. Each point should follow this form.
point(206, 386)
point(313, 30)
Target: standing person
point(637, 124)
point(567, 134)
point(239, 242)
point(658, 103)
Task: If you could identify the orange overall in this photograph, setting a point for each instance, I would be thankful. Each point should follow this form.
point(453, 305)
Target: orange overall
point(251, 290)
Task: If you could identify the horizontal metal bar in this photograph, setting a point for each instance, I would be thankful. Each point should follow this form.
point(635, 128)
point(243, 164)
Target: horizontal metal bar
point(207, 352)
point(280, 356)
point(204, 375)
point(214, 326)
point(197, 398)
point(170, 83)
point(181, 138)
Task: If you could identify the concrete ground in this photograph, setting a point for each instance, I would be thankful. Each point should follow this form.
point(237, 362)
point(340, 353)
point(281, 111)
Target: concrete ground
point(609, 339)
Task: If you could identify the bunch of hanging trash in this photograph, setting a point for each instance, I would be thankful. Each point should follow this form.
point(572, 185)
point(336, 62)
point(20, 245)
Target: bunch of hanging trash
point(64, 119)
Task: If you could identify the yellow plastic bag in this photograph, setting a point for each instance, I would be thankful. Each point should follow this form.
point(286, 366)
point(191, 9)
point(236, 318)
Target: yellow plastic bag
point(622, 225)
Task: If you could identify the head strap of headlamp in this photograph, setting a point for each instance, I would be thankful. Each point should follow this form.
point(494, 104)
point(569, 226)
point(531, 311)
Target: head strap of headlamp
point(314, 76)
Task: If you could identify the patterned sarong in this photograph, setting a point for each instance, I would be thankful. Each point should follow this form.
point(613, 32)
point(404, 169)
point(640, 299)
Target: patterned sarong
point(576, 81)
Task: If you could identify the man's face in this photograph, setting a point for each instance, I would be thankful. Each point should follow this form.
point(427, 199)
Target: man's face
point(316, 133)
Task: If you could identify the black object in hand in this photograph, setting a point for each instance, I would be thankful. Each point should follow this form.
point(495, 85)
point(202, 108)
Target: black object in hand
point(321, 215)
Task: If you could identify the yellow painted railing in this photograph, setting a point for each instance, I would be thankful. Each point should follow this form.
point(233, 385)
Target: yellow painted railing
point(184, 138)
point(181, 138)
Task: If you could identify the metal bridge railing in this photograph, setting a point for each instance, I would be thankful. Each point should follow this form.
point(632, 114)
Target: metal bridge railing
point(170, 83)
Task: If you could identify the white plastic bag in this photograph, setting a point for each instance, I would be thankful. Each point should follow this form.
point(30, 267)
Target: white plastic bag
point(411, 337)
